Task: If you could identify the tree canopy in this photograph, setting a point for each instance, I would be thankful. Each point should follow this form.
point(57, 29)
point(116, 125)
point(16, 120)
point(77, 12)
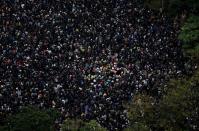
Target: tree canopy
point(177, 110)
point(31, 119)
point(79, 125)
point(189, 35)
point(174, 7)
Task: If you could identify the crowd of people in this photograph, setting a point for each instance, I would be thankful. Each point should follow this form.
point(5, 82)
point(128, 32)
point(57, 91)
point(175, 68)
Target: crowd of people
point(84, 57)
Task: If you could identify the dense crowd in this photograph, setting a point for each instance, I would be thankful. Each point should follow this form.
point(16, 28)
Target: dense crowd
point(84, 57)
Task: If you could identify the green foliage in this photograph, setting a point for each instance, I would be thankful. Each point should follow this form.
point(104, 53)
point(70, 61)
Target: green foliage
point(79, 125)
point(30, 119)
point(190, 31)
point(3, 128)
point(174, 7)
point(72, 125)
point(189, 35)
point(141, 112)
point(92, 126)
point(179, 6)
point(154, 4)
point(53, 113)
point(138, 127)
point(179, 108)
point(176, 111)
